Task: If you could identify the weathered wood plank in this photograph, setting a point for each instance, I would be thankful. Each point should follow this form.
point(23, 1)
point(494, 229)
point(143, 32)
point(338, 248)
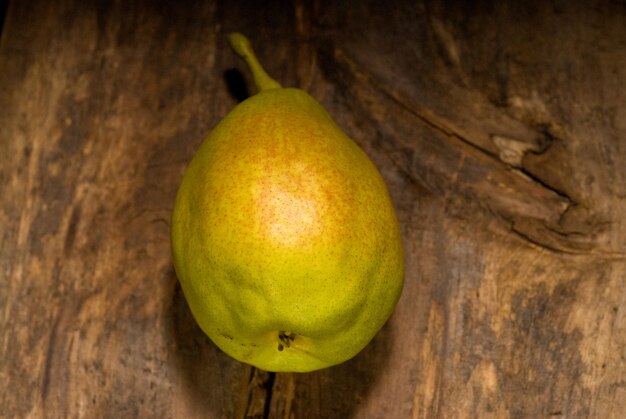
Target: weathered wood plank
point(499, 128)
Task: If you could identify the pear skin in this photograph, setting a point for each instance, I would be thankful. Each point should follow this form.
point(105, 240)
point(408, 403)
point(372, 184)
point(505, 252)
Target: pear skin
point(284, 238)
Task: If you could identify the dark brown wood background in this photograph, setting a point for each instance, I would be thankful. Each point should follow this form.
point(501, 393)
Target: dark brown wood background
point(500, 128)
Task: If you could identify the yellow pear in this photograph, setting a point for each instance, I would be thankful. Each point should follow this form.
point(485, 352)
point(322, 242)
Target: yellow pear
point(284, 238)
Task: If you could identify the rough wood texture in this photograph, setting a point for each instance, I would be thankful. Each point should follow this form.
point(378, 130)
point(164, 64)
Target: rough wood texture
point(499, 127)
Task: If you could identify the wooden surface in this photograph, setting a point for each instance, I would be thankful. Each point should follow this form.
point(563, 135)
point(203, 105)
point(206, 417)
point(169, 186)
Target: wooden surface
point(500, 129)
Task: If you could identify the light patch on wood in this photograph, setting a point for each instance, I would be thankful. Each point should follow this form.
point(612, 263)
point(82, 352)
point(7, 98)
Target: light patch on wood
point(511, 151)
point(484, 390)
point(603, 330)
point(447, 41)
point(425, 399)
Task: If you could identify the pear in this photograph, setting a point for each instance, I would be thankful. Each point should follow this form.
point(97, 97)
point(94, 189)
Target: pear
point(284, 238)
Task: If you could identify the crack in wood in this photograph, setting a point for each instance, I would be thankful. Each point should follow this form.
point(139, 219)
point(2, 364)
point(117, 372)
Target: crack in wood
point(268, 395)
point(528, 238)
point(257, 394)
point(45, 384)
point(549, 187)
point(4, 7)
point(566, 237)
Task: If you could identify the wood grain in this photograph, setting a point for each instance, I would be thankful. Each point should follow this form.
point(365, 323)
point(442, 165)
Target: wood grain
point(500, 128)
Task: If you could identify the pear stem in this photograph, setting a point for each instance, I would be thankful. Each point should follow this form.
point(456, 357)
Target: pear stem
point(241, 46)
